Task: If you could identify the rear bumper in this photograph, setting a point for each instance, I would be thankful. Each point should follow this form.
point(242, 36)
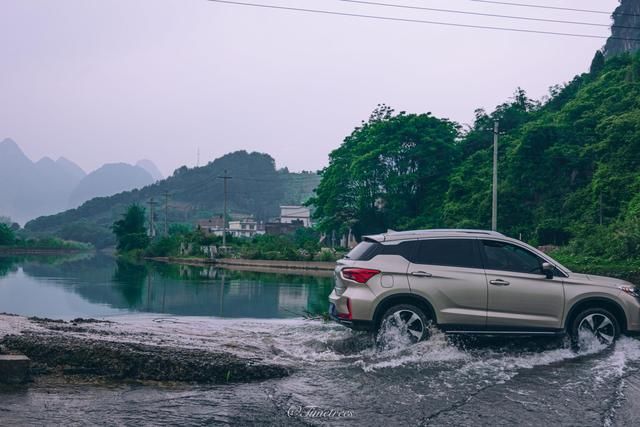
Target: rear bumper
point(356, 325)
point(341, 311)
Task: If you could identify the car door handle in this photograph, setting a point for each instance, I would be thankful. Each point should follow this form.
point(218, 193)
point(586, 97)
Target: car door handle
point(499, 282)
point(421, 274)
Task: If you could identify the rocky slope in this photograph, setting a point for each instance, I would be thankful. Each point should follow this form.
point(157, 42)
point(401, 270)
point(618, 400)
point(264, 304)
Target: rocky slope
point(625, 32)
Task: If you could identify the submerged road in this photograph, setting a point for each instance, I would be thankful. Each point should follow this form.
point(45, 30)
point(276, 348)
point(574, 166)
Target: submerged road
point(340, 378)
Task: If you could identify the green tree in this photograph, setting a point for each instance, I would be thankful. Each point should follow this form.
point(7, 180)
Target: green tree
point(7, 236)
point(130, 231)
point(391, 172)
point(597, 64)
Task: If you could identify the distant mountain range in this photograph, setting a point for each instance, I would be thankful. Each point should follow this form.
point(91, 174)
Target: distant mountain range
point(150, 167)
point(109, 179)
point(31, 189)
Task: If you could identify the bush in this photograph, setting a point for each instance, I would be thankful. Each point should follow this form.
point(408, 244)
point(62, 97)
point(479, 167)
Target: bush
point(326, 255)
point(84, 231)
point(619, 241)
point(166, 246)
point(133, 241)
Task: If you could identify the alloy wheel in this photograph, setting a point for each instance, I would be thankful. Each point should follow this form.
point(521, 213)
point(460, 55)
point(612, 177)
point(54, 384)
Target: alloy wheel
point(600, 326)
point(409, 323)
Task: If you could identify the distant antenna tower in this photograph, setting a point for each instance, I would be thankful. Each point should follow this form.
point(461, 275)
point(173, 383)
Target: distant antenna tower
point(198, 158)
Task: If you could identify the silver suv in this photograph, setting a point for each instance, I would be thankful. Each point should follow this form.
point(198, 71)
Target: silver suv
point(475, 282)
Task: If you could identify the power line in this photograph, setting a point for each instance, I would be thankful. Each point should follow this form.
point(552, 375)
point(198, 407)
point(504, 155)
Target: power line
point(539, 6)
point(420, 21)
point(166, 212)
point(494, 187)
point(152, 227)
point(225, 177)
point(492, 15)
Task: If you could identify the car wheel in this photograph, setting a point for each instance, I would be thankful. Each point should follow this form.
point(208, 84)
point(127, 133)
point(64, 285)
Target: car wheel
point(407, 320)
point(595, 323)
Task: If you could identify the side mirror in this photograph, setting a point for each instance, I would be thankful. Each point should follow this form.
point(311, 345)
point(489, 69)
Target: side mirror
point(547, 269)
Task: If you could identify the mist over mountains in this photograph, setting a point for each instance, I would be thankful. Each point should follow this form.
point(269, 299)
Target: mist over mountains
point(31, 189)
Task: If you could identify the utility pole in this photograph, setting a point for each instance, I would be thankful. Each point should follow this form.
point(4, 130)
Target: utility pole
point(166, 212)
point(226, 177)
point(152, 227)
point(601, 208)
point(494, 204)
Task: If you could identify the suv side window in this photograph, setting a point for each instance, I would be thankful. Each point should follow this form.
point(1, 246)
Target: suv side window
point(507, 257)
point(449, 253)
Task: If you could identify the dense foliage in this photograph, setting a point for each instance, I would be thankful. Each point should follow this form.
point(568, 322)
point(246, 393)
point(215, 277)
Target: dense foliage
point(7, 236)
point(391, 172)
point(569, 168)
point(303, 245)
point(130, 230)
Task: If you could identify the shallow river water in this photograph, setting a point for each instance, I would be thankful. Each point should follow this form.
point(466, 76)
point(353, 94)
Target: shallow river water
point(340, 377)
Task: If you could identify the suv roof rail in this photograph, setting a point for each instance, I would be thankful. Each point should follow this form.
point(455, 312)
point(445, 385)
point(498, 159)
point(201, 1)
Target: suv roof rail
point(448, 230)
point(417, 233)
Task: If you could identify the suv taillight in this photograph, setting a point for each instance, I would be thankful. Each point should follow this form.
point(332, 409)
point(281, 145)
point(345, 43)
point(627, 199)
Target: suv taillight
point(360, 275)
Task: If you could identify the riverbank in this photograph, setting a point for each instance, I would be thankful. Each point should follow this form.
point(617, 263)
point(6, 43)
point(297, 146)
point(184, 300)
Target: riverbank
point(142, 349)
point(314, 268)
point(16, 250)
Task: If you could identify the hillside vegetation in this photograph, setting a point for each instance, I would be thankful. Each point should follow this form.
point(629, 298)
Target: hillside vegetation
point(256, 188)
point(569, 168)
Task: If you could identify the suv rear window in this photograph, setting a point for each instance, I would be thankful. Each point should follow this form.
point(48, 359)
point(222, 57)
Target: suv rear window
point(367, 250)
point(449, 252)
point(363, 251)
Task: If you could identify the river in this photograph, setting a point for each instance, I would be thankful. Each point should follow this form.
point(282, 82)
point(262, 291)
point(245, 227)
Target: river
point(340, 377)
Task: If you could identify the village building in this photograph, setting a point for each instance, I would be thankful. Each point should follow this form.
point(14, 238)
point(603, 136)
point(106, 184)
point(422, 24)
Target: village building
point(246, 227)
point(294, 214)
point(211, 227)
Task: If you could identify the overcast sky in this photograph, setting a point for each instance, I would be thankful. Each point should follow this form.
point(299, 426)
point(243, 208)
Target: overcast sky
point(102, 81)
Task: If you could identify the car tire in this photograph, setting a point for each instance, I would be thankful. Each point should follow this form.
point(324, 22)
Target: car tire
point(412, 321)
point(598, 322)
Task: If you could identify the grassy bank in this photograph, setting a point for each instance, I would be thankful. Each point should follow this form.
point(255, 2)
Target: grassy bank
point(626, 270)
point(43, 246)
point(17, 250)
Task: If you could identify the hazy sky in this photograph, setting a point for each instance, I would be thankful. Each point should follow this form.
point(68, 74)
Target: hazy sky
point(119, 80)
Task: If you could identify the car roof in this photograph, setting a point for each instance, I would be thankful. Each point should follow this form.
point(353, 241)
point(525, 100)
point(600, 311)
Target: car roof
point(436, 232)
point(398, 236)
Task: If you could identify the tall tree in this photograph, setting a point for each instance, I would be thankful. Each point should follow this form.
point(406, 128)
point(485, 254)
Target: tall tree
point(130, 231)
point(391, 172)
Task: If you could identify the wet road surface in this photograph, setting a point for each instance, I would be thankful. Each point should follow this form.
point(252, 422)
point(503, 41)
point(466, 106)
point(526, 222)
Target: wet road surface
point(350, 381)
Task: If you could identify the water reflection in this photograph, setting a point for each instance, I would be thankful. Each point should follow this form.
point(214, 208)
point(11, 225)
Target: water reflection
point(101, 286)
point(129, 279)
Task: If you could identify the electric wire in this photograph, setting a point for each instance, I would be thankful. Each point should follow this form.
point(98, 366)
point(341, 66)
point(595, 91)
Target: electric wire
point(420, 21)
point(568, 9)
point(463, 12)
